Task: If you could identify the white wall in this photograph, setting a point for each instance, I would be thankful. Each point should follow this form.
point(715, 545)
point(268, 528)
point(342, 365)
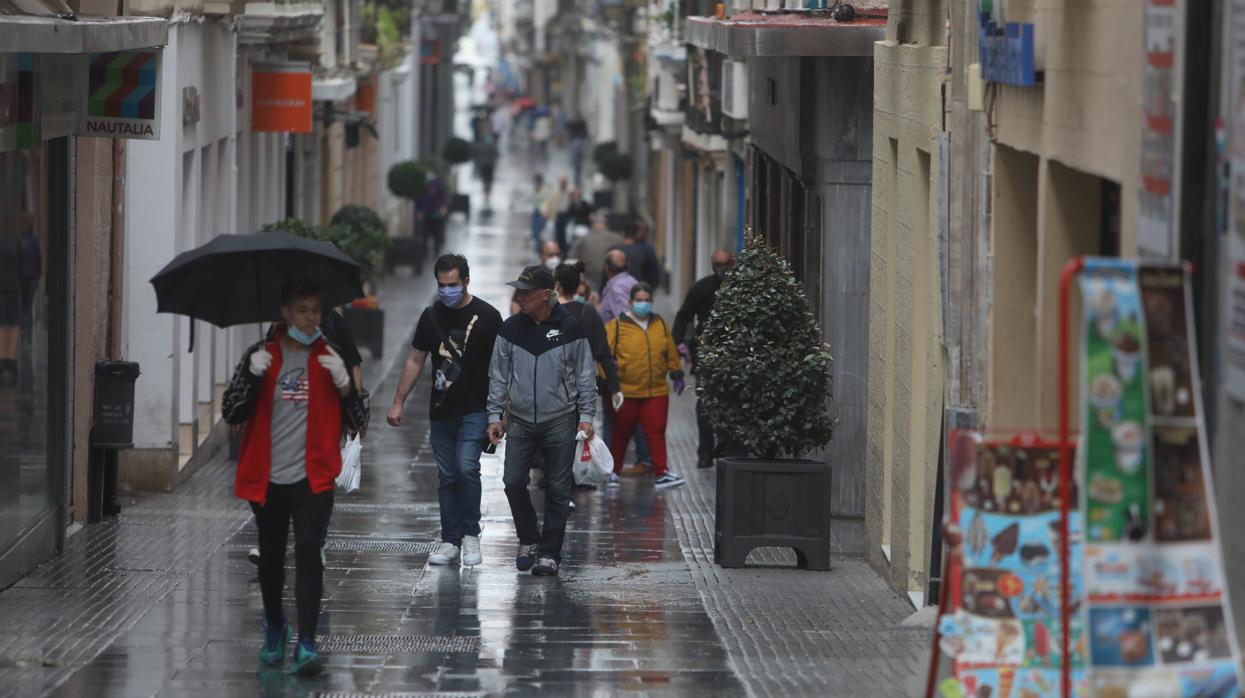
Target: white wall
point(191, 181)
point(151, 222)
point(395, 102)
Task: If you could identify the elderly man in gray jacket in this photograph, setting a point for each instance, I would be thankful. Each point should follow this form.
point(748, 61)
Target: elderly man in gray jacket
point(542, 391)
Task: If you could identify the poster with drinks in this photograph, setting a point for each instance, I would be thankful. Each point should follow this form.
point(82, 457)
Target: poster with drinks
point(1155, 609)
point(1002, 628)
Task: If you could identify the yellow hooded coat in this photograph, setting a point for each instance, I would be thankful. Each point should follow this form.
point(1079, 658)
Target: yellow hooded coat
point(645, 357)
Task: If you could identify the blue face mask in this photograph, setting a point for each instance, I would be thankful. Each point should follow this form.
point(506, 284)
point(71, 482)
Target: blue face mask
point(642, 308)
point(580, 299)
point(451, 296)
point(304, 339)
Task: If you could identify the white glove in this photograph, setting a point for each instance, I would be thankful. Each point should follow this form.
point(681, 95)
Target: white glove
point(336, 367)
point(617, 401)
point(260, 361)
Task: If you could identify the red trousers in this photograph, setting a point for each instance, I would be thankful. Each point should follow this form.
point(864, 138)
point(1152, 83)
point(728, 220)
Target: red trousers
point(650, 413)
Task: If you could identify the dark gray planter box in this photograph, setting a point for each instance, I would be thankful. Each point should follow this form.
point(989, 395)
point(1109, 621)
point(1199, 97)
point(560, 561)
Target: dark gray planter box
point(367, 325)
point(407, 251)
point(772, 503)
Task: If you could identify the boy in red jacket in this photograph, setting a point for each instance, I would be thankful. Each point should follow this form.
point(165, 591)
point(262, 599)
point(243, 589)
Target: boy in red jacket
point(294, 395)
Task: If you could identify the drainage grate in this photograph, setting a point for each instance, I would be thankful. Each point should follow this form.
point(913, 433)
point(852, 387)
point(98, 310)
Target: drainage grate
point(396, 644)
point(377, 545)
point(349, 508)
point(347, 694)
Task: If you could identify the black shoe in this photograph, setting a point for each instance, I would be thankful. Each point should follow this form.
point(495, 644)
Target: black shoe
point(547, 567)
point(253, 556)
point(526, 557)
point(704, 462)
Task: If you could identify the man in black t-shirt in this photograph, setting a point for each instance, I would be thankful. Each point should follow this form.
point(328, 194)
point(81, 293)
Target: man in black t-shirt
point(458, 331)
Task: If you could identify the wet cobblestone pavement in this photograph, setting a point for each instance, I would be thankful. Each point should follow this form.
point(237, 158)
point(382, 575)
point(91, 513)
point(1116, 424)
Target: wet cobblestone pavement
point(162, 600)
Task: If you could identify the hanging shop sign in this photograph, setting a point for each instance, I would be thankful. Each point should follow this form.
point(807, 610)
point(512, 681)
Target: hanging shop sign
point(1006, 52)
point(122, 95)
point(430, 51)
point(1156, 607)
point(281, 98)
point(365, 96)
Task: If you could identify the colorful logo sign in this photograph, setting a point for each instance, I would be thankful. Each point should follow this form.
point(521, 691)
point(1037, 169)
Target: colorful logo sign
point(281, 98)
point(122, 95)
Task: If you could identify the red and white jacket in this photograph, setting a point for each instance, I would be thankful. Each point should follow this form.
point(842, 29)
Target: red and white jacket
point(249, 400)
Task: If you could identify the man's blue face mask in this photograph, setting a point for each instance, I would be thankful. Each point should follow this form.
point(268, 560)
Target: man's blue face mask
point(451, 296)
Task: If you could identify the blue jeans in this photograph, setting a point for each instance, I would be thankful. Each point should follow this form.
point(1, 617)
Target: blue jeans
point(538, 226)
point(456, 444)
point(641, 444)
point(555, 440)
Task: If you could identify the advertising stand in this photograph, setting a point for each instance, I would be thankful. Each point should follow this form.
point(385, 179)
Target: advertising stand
point(1121, 518)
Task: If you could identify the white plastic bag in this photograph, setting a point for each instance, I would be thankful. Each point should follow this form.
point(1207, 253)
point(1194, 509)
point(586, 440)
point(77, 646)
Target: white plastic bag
point(352, 466)
point(593, 462)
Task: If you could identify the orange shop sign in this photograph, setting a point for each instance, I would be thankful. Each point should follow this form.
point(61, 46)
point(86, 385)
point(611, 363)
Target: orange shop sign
point(281, 98)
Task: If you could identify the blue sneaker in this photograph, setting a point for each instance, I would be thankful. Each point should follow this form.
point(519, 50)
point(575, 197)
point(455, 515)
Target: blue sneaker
point(526, 557)
point(307, 661)
point(275, 640)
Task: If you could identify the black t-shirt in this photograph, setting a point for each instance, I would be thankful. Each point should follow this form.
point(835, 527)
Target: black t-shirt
point(337, 330)
point(469, 393)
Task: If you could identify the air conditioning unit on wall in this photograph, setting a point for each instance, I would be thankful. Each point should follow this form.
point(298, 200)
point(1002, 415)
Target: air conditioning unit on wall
point(735, 89)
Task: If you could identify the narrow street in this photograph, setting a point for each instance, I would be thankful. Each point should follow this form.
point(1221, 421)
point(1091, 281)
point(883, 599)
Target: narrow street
point(163, 601)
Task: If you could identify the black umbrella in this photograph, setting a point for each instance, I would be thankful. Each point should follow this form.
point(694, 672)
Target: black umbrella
point(237, 279)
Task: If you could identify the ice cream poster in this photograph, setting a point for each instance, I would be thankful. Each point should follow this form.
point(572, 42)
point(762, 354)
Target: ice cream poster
point(1117, 462)
point(1004, 632)
point(1155, 607)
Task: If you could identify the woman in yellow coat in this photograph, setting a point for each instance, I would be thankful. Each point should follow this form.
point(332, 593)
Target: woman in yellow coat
point(646, 354)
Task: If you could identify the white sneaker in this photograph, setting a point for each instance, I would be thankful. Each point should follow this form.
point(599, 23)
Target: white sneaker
point(444, 554)
point(471, 551)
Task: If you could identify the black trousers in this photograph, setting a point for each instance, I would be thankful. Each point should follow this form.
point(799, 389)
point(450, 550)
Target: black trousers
point(311, 514)
point(707, 447)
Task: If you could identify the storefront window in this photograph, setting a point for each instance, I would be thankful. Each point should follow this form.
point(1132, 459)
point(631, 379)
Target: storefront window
point(25, 488)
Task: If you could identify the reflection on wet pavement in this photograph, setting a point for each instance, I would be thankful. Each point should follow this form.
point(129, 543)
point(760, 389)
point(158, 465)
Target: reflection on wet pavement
point(625, 616)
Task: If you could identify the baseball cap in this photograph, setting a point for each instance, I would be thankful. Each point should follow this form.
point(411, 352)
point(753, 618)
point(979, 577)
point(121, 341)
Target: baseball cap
point(533, 277)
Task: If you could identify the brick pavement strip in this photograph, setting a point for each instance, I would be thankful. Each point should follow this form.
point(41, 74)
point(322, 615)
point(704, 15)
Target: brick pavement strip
point(787, 631)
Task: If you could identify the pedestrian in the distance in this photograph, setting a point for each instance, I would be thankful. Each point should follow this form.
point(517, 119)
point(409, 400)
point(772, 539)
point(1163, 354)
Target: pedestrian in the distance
point(458, 331)
point(641, 255)
point(616, 296)
point(432, 208)
point(592, 248)
point(615, 302)
point(567, 281)
point(577, 130)
point(486, 164)
point(538, 218)
point(646, 355)
point(542, 391)
point(294, 394)
point(692, 314)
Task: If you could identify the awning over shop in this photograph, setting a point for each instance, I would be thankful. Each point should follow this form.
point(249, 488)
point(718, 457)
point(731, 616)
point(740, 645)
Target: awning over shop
point(333, 89)
point(751, 34)
point(28, 34)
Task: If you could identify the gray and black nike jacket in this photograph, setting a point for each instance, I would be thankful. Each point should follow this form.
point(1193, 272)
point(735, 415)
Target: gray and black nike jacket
point(542, 371)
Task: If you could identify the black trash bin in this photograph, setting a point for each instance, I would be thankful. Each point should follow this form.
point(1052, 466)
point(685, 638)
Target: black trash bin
point(113, 429)
point(114, 404)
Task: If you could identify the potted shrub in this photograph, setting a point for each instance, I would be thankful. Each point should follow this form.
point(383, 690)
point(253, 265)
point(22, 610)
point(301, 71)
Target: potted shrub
point(764, 376)
point(360, 232)
point(407, 180)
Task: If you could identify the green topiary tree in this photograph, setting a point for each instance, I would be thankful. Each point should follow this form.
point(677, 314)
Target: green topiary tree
point(764, 373)
point(457, 151)
point(616, 167)
point(407, 179)
point(361, 233)
point(603, 151)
